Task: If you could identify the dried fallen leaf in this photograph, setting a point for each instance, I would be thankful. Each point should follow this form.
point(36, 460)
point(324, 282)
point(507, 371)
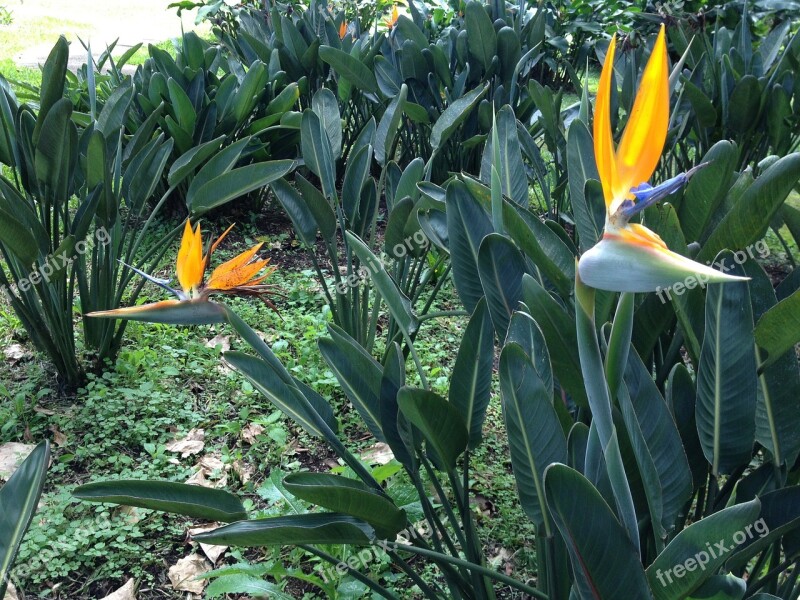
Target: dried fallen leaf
point(59, 439)
point(224, 341)
point(183, 574)
point(130, 514)
point(126, 592)
point(193, 443)
point(43, 411)
point(210, 466)
point(251, 431)
point(378, 454)
point(212, 552)
point(11, 456)
point(15, 353)
point(243, 470)
point(11, 593)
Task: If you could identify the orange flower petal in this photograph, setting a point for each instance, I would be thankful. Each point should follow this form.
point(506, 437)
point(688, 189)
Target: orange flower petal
point(342, 30)
point(231, 278)
point(603, 140)
point(189, 264)
point(216, 243)
point(643, 140)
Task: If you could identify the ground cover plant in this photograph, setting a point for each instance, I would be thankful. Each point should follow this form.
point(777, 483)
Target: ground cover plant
point(463, 340)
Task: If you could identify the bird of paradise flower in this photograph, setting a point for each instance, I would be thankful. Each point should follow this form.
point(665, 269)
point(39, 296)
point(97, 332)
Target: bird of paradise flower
point(630, 257)
point(239, 277)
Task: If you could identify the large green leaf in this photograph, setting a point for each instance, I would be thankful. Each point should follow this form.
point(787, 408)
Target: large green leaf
point(55, 149)
point(726, 375)
point(399, 305)
point(467, 225)
point(319, 207)
point(283, 393)
point(359, 375)
point(778, 330)
point(698, 551)
point(454, 115)
point(394, 424)
point(387, 127)
point(681, 399)
point(220, 163)
point(19, 498)
point(350, 497)
point(535, 437)
point(501, 267)
point(326, 106)
point(513, 179)
point(53, 78)
point(542, 245)
point(470, 384)
point(318, 152)
point(236, 183)
point(350, 68)
point(303, 220)
point(599, 547)
point(167, 496)
point(294, 530)
point(649, 416)
point(777, 414)
point(18, 239)
point(707, 189)
point(720, 587)
point(559, 331)
point(747, 220)
point(187, 162)
point(780, 513)
point(582, 168)
point(439, 421)
point(481, 36)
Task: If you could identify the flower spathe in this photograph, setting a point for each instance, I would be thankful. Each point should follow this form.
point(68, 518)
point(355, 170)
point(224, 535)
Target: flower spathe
point(630, 257)
point(242, 275)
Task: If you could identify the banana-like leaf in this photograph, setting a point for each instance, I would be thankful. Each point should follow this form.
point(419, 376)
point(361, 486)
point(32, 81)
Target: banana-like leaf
point(535, 437)
point(559, 331)
point(359, 375)
point(599, 547)
point(19, 498)
point(501, 267)
point(440, 423)
point(282, 393)
point(167, 496)
point(694, 555)
point(350, 497)
point(581, 168)
point(778, 330)
point(481, 35)
point(387, 127)
point(780, 514)
point(542, 245)
point(681, 399)
point(720, 587)
point(355, 176)
point(394, 424)
point(747, 220)
point(318, 152)
point(648, 414)
point(470, 384)
point(301, 216)
point(186, 163)
point(513, 179)
point(454, 115)
point(777, 417)
point(467, 225)
point(17, 239)
point(236, 183)
point(399, 305)
point(53, 76)
point(349, 67)
point(726, 376)
point(311, 528)
point(219, 164)
point(707, 189)
point(320, 208)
